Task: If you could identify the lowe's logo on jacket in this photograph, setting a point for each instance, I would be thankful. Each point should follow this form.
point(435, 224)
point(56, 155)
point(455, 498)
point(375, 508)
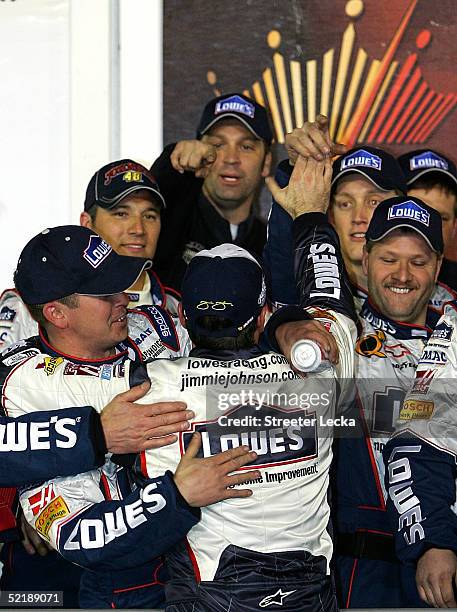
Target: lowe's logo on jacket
point(17, 436)
point(98, 532)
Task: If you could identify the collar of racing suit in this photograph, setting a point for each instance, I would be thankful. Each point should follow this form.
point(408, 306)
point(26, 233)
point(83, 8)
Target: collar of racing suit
point(402, 331)
point(225, 355)
point(158, 295)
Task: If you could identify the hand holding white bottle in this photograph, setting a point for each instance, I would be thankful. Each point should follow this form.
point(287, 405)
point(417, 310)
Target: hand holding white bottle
point(306, 356)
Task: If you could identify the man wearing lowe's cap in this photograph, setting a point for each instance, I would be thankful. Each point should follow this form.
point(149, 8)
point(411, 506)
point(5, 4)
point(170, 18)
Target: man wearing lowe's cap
point(74, 283)
point(62, 261)
point(211, 184)
point(362, 177)
point(123, 205)
point(403, 219)
point(54, 268)
point(432, 177)
point(401, 259)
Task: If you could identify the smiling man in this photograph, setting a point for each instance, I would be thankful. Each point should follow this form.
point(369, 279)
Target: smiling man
point(211, 184)
point(123, 204)
point(402, 259)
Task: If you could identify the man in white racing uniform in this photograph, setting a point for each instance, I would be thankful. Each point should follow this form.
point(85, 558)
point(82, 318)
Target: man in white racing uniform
point(402, 261)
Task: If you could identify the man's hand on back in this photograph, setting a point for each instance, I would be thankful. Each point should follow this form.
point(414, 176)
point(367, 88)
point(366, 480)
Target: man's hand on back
point(131, 428)
point(205, 481)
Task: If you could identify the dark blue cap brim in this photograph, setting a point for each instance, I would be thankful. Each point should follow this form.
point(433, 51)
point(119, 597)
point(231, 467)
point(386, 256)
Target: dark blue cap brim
point(408, 224)
point(425, 171)
point(376, 178)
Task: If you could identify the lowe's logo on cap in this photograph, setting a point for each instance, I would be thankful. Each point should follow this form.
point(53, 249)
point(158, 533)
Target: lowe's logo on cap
point(235, 104)
point(362, 159)
point(428, 160)
point(409, 210)
point(96, 251)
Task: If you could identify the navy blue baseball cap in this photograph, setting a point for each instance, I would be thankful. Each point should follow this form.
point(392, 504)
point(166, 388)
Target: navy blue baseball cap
point(118, 179)
point(238, 106)
point(424, 161)
point(376, 165)
point(405, 211)
point(226, 282)
point(71, 259)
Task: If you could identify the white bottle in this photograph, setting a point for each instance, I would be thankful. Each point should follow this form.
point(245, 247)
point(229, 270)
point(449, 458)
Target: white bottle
point(306, 356)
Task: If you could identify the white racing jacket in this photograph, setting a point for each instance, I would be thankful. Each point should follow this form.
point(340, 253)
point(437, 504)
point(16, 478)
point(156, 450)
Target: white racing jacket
point(288, 513)
point(256, 399)
point(294, 462)
point(294, 455)
point(386, 355)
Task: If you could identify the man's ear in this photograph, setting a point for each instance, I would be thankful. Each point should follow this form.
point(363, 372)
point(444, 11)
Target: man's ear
point(182, 318)
point(267, 164)
point(55, 313)
point(262, 318)
point(85, 220)
point(365, 260)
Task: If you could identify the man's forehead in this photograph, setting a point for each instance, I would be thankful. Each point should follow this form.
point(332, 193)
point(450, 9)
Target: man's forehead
point(401, 238)
point(434, 195)
point(219, 129)
point(141, 199)
point(354, 181)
